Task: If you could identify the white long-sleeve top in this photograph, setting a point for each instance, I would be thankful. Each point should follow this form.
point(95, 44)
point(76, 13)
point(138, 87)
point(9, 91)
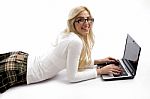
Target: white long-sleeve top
point(65, 55)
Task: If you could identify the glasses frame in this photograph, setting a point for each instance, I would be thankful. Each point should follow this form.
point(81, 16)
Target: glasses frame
point(82, 20)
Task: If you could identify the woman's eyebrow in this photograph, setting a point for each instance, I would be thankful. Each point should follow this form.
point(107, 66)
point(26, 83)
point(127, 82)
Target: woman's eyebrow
point(83, 17)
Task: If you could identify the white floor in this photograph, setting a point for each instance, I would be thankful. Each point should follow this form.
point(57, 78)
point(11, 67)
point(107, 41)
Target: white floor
point(58, 88)
point(31, 25)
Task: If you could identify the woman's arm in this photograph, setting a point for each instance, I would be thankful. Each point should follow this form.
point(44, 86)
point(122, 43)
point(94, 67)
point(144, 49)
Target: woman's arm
point(104, 61)
point(73, 56)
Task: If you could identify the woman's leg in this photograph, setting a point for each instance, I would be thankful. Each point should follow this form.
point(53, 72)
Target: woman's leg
point(13, 69)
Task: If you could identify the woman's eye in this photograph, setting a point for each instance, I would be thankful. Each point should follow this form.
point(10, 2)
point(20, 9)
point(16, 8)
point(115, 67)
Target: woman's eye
point(80, 20)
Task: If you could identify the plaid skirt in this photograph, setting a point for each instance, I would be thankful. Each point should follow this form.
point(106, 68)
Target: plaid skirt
point(13, 69)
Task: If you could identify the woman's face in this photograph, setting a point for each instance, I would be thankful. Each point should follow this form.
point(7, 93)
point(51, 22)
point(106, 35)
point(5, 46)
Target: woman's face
point(83, 23)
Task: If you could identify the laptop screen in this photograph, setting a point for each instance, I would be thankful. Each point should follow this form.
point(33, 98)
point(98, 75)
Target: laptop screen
point(132, 52)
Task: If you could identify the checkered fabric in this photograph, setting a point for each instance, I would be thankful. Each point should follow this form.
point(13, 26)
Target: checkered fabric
point(13, 69)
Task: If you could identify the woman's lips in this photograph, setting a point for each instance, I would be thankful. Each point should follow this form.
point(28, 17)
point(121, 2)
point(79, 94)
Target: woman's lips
point(85, 28)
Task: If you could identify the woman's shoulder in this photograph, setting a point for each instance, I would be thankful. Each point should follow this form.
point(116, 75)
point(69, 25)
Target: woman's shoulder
point(75, 42)
point(74, 38)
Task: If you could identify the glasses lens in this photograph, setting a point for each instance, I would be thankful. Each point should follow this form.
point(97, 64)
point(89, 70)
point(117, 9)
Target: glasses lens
point(90, 20)
point(82, 20)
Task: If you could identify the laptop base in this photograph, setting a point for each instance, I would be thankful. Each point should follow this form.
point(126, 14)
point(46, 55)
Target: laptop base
point(108, 78)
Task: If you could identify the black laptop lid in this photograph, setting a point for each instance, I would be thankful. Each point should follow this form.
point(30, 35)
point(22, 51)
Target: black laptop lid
point(131, 54)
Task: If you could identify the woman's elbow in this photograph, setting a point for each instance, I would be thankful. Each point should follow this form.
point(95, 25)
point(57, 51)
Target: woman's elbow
point(72, 80)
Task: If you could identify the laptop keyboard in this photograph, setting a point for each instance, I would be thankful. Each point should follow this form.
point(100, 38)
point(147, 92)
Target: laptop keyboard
point(124, 73)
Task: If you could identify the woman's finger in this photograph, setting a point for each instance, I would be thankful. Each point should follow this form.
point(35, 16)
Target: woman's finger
point(116, 70)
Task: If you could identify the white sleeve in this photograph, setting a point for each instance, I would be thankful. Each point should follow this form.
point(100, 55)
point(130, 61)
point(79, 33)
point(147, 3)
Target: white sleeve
point(73, 56)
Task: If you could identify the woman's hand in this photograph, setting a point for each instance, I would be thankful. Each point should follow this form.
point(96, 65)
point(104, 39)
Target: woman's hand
point(109, 69)
point(105, 60)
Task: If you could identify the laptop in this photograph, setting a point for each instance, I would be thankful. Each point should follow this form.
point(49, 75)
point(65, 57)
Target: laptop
point(128, 63)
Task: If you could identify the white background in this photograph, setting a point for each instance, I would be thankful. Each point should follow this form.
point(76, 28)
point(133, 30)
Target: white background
point(31, 25)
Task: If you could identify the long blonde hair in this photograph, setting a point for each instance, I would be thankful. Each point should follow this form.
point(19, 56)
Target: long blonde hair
point(88, 43)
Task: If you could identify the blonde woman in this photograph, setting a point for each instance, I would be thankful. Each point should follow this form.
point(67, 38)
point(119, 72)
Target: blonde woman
point(72, 52)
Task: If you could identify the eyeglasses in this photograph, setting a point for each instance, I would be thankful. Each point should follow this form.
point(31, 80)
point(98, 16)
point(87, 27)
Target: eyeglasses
point(82, 20)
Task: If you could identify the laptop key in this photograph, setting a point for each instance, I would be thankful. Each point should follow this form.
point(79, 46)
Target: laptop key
point(123, 73)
